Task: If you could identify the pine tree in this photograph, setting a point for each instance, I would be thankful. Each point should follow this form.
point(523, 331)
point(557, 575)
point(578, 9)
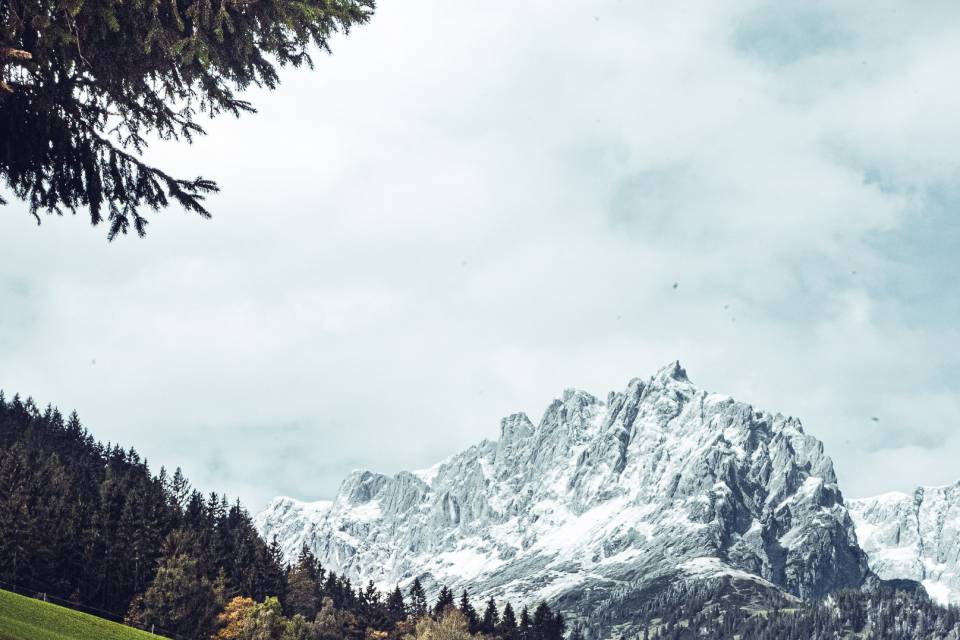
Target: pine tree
point(491, 618)
point(507, 629)
point(348, 595)
point(542, 622)
point(179, 490)
point(84, 87)
point(274, 581)
point(418, 600)
point(396, 609)
point(372, 610)
point(557, 627)
point(309, 562)
point(444, 601)
point(301, 591)
point(473, 623)
point(331, 589)
point(524, 628)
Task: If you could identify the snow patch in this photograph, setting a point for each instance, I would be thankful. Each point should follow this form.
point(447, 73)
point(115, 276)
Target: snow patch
point(938, 591)
point(430, 473)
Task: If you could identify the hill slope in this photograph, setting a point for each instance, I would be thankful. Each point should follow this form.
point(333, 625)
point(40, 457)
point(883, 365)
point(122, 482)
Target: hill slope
point(23, 618)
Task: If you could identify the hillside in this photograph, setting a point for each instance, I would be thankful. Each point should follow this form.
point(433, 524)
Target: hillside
point(23, 618)
point(90, 523)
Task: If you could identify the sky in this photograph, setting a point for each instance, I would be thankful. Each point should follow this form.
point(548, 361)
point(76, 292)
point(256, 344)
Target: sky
point(469, 207)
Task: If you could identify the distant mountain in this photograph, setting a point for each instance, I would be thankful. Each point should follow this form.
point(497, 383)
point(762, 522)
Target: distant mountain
point(600, 507)
point(914, 536)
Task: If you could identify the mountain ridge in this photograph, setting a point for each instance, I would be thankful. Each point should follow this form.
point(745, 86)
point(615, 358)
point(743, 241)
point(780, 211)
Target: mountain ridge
point(914, 536)
point(659, 483)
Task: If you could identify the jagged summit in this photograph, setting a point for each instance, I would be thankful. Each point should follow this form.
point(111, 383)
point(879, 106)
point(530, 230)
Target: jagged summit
point(671, 372)
point(598, 505)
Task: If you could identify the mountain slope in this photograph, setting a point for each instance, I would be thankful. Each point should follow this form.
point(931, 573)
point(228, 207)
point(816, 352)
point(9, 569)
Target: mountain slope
point(599, 507)
point(914, 536)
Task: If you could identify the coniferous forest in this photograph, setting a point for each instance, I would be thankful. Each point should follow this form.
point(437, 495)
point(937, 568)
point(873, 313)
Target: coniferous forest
point(879, 610)
point(92, 526)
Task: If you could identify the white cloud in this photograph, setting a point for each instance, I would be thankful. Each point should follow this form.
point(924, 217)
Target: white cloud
point(468, 208)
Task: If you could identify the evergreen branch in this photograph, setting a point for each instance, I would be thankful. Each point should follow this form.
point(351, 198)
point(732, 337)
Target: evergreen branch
point(105, 76)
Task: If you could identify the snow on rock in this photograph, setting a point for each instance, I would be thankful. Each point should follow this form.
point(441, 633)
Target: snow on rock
point(914, 536)
point(660, 483)
point(291, 521)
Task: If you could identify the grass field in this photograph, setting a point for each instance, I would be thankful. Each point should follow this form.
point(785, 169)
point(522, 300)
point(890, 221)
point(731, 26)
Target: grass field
point(23, 618)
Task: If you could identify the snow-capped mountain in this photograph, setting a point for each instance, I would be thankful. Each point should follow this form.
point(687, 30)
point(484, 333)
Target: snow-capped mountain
point(914, 536)
point(598, 506)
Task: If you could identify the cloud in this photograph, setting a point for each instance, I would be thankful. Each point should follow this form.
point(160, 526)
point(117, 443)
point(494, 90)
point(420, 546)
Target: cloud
point(466, 209)
point(781, 35)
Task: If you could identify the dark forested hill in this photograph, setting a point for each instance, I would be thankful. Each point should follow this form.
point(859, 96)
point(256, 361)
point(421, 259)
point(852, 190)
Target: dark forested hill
point(90, 523)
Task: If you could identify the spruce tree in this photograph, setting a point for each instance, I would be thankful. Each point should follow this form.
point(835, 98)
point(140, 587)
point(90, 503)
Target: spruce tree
point(473, 622)
point(396, 609)
point(445, 601)
point(301, 596)
point(85, 85)
point(507, 629)
point(557, 627)
point(331, 589)
point(273, 572)
point(418, 600)
point(372, 609)
point(542, 622)
point(524, 627)
point(491, 618)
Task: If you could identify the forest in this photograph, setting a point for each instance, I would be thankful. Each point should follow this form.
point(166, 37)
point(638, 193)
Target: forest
point(881, 609)
point(90, 525)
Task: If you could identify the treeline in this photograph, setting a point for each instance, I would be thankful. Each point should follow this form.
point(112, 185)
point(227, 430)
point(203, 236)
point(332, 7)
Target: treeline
point(89, 523)
point(895, 611)
point(321, 605)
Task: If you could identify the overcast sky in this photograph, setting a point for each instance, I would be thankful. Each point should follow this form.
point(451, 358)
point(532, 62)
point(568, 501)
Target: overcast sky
point(471, 206)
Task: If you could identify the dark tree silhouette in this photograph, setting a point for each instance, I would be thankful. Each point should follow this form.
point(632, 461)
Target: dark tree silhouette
point(84, 85)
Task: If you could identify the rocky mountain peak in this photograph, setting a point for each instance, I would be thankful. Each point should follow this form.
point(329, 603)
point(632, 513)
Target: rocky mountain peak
point(598, 504)
point(516, 426)
point(671, 372)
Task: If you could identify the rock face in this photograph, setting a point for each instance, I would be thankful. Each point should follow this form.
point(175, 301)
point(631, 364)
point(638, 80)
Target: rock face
point(914, 536)
point(598, 505)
